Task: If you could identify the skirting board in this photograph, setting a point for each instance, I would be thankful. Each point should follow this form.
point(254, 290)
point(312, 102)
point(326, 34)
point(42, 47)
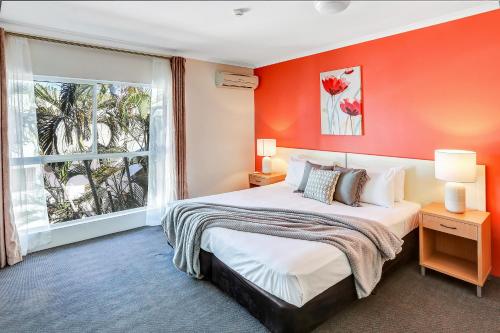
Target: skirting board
point(420, 184)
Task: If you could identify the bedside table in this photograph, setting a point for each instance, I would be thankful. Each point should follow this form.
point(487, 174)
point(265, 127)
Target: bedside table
point(260, 179)
point(458, 245)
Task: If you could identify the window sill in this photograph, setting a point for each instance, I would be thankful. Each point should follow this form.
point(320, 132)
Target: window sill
point(97, 226)
point(97, 218)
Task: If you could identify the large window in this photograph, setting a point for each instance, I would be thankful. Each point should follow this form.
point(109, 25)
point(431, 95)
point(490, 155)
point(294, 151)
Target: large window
point(93, 140)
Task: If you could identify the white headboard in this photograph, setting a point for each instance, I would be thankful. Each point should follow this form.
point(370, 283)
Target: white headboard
point(280, 160)
point(420, 184)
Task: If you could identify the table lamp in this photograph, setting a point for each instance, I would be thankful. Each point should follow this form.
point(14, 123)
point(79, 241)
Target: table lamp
point(455, 167)
point(266, 148)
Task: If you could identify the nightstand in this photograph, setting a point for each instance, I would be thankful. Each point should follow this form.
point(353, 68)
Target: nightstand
point(458, 245)
point(260, 179)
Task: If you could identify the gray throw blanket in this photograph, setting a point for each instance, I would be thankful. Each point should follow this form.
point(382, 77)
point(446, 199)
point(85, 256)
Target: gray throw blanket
point(367, 244)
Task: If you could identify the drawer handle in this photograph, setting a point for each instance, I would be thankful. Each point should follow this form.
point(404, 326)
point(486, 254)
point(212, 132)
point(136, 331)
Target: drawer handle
point(454, 228)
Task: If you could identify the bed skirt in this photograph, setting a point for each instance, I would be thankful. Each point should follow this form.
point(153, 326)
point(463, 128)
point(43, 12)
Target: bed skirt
point(279, 316)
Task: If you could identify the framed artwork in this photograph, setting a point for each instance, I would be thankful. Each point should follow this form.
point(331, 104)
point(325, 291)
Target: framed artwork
point(341, 104)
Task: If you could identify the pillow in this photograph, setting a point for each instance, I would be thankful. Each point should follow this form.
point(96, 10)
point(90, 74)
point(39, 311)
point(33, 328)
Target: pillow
point(295, 170)
point(379, 188)
point(321, 185)
point(307, 170)
point(350, 185)
point(399, 186)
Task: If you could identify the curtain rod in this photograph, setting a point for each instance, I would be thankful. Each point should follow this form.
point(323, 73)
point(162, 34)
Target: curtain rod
point(66, 42)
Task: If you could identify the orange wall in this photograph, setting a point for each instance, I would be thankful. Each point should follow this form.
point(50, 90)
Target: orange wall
point(436, 87)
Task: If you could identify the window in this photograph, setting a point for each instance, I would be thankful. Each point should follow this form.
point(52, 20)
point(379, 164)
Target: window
point(93, 141)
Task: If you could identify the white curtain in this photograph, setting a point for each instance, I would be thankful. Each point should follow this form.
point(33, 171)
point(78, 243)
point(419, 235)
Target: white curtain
point(162, 177)
point(28, 206)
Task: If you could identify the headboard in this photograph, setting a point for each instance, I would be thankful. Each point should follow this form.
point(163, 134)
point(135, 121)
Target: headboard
point(420, 184)
point(280, 160)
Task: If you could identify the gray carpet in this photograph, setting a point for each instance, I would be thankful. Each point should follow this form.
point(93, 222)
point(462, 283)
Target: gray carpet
point(126, 283)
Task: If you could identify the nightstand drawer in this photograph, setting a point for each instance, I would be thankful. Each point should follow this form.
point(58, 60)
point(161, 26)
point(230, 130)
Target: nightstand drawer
point(257, 180)
point(450, 226)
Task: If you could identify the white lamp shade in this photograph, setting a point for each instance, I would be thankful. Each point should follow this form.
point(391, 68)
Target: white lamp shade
point(266, 147)
point(455, 165)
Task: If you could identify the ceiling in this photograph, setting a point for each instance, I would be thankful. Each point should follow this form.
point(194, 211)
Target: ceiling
point(272, 31)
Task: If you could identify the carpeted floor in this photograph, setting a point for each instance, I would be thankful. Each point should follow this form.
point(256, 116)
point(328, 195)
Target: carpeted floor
point(126, 283)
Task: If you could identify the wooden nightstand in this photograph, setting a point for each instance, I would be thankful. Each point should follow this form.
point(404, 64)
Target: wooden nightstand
point(260, 179)
point(456, 244)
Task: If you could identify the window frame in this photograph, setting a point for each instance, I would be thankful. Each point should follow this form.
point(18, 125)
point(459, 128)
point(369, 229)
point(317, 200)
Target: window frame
point(93, 153)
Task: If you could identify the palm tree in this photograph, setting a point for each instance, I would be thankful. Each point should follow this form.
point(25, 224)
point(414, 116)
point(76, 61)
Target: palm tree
point(65, 126)
point(69, 116)
point(60, 209)
point(126, 113)
point(112, 184)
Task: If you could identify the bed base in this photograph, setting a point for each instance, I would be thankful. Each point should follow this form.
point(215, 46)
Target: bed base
point(279, 316)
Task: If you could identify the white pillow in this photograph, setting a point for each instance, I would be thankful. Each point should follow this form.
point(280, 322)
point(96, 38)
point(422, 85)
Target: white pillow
point(379, 188)
point(295, 170)
point(399, 186)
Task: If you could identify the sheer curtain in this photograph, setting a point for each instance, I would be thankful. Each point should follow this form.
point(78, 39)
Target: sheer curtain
point(162, 177)
point(28, 206)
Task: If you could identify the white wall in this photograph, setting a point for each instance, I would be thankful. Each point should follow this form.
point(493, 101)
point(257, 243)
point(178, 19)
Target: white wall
point(86, 63)
point(220, 131)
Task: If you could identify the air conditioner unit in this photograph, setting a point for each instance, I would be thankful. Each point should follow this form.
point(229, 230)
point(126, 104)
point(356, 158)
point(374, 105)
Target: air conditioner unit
point(231, 80)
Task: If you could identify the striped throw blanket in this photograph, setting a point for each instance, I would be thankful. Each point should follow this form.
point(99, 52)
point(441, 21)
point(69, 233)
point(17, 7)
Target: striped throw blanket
point(367, 244)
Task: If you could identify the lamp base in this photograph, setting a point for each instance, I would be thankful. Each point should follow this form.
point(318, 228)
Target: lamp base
point(454, 197)
point(267, 165)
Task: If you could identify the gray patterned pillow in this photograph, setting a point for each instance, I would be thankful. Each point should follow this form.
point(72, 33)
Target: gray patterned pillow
point(321, 185)
point(307, 171)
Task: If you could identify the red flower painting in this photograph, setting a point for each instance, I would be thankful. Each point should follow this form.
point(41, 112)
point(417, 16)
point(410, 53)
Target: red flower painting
point(341, 102)
point(334, 86)
point(351, 108)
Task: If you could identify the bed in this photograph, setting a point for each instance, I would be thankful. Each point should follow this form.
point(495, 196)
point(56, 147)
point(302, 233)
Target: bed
point(293, 270)
point(293, 285)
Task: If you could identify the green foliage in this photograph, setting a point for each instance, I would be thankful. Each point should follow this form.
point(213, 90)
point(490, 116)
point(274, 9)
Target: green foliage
point(125, 111)
point(64, 109)
point(64, 122)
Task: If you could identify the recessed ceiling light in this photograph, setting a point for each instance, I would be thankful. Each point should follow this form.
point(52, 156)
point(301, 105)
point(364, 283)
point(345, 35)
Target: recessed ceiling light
point(240, 11)
point(330, 7)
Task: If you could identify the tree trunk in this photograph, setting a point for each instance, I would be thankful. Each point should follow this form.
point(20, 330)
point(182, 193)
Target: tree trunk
point(110, 198)
point(92, 186)
point(129, 179)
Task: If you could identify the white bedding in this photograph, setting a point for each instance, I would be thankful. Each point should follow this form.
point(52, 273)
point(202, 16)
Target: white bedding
point(293, 270)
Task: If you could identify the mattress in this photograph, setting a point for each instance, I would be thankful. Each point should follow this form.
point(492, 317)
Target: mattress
point(293, 270)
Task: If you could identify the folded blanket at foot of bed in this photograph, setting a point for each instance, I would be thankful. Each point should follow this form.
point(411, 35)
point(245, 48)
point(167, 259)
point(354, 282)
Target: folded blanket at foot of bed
point(366, 244)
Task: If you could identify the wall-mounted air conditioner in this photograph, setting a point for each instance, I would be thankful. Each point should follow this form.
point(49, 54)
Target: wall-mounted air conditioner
point(231, 80)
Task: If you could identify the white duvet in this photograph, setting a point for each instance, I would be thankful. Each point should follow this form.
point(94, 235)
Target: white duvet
point(293, 270)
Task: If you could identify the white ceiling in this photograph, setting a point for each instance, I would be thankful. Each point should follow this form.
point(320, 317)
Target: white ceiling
point(272, 31)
